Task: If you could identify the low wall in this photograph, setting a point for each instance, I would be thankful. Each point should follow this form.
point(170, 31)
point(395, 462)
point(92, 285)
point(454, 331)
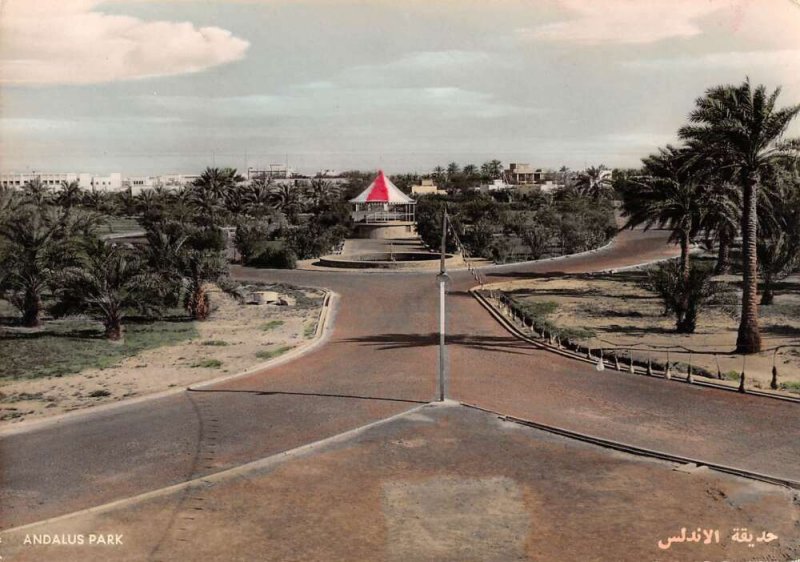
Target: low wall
point(403, 260)
point(387, 230)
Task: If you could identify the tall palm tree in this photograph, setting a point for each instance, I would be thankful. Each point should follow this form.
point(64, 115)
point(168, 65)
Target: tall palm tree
point(595, 182)
point(743, 128)
point(668, 196)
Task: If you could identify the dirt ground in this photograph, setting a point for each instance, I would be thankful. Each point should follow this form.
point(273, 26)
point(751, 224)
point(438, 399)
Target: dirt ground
point(623, 315)
point(413, 489)
point(236, 337)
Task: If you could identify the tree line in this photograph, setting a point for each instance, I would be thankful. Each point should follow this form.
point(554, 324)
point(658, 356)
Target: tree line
point(734, 174)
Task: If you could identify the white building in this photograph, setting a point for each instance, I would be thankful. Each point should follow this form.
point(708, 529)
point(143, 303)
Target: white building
point(111, 182)
point(496, 185)
point(427, 187)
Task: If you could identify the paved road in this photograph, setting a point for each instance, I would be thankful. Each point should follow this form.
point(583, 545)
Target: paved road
point(381, 360)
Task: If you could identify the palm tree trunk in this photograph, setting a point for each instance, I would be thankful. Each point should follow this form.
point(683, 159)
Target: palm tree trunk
point(113, 328)
point(198, 303)
point(768, 295)
point(749, 338)
point(723, 254)
point(684, 241)
point(32, 308)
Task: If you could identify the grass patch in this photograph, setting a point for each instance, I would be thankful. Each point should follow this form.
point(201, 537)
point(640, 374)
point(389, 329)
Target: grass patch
point(215, 343)
point(272, 353)
point(310, 330)
point(207, 364)
point(69, 346)
point(271, 325)
point(790, 386)
point(538, 311)
point(732, 375)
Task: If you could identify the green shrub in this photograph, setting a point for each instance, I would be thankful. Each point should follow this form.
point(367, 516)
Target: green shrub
point(207, 364)
point(277, 258)
point(216, 343)
point(271, 325)
point(272, 353)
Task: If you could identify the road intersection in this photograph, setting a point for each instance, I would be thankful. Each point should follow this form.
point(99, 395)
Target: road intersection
point(380, 361)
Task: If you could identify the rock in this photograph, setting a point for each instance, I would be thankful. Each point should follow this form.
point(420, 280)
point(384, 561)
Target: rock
point(262, 297)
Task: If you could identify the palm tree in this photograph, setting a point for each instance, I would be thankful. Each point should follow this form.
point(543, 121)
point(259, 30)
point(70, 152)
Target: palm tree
point(70, 194)
point(470, 171)
point(453, 169)
point(108, 280)
point(37, 192)
point(39, 241)
point(259, 198)
point(492, 169)
point(722, 212)
point(667, 197)
point(778, 245)
point(595, 182)
point(742, 127)
point(286, 199)
point(198, 268)
point(319, 192)
point(210, 190)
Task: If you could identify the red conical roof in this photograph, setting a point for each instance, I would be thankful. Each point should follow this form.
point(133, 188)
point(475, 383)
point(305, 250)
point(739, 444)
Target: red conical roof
point(382, 190)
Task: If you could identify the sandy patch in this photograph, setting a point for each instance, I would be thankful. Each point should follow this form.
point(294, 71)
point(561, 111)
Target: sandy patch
point(235, 338)
point(622, 315)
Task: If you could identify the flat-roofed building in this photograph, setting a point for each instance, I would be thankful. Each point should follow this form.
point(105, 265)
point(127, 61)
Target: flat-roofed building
point(110, 182)
point(427, 187)
point(520, 174)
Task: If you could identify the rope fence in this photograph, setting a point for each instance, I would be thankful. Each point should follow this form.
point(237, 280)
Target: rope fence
point(667, 361)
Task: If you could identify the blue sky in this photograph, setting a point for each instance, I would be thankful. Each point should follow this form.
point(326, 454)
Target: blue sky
point(147, 87)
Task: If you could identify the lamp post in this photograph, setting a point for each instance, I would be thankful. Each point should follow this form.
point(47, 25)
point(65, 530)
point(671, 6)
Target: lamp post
point(442, 279)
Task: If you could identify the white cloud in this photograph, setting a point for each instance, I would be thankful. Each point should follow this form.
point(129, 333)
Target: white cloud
point(785, 59)
point(347, 103)
point(69, 42)
point(625, 21)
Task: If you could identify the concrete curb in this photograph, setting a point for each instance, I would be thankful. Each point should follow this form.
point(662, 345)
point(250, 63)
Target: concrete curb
point(514, 330)
point(642, 451)
point(323, 331)
point(217, 477)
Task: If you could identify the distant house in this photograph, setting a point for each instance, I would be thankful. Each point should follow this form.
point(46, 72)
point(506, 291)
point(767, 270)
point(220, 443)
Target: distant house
point(520, 174)
point(495, 185)
point(427, 187)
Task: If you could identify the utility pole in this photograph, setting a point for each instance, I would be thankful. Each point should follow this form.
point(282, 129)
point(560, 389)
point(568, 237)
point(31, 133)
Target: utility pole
point(443, 279)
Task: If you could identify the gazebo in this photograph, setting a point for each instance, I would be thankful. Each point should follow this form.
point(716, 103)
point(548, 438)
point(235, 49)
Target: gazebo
point(383, 211)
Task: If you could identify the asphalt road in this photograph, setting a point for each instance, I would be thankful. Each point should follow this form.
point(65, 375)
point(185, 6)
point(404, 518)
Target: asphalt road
point(380, 360)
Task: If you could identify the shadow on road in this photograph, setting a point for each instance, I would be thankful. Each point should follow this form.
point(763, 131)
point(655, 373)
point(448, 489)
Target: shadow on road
point(288, 393)
point(506, 344)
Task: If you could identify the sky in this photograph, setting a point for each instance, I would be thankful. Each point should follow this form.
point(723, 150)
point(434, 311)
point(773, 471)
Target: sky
point(151, 87)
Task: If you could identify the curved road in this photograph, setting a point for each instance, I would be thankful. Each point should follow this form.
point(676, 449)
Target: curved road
point(381, 359)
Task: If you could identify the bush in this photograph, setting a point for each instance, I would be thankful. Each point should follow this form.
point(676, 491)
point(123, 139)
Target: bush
point(276, 258)
point(684, 298)
point(251, 239)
